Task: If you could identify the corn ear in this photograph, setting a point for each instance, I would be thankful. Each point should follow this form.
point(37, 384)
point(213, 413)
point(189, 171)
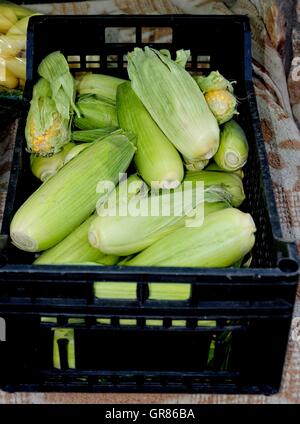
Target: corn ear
point(229, 184)
point(223, 105)
point(19, 11)
point(17, 66)
point(174, 101)
point(104, 86)
point(63, 202)
point(55, 69)
point(75, 249)
point(46, 131)
point(7, 78)
point(48, 126)
point(95, 113)
point(7, 18)
point(233, 150)
point(156, 159)
point(45, 167)
point(20, 27)
point(225, 237)
point(145, 219)
point(11, 45)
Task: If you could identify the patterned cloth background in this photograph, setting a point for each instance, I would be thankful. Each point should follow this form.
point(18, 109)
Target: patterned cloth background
point(276, 64)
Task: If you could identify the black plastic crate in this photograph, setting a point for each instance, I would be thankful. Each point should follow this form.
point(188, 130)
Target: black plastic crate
point(251, 308)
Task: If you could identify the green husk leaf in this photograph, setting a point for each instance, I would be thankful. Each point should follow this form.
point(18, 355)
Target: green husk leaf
point(87, 136)
point(213, 81)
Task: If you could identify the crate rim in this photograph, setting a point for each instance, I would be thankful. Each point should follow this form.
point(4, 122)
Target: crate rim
point(289, 247)
point(94, 272)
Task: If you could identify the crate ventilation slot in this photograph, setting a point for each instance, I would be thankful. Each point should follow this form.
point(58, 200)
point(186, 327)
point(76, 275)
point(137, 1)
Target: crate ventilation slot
point(120, 35)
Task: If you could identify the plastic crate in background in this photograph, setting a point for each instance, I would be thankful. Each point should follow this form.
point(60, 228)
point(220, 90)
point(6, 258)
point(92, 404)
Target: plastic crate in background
point(230, 334)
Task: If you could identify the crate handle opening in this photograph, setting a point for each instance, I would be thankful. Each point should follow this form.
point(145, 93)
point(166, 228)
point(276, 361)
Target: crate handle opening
point(120, 35)
point(157, 35)
point(288, 265)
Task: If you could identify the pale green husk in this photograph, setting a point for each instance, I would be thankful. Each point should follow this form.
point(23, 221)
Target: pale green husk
point(63, 202)
point(228, 182)
point(174, 101)
point(75, 249)
point(46, 131)
point(45, 167)
point(48, 126)
point(156, 159)
point(95, 113)
point(223, 239)
point(104, 86)
point(131, 229)
point(213, 81)
point(233, 150)
point(74, 152)
point(55, 69)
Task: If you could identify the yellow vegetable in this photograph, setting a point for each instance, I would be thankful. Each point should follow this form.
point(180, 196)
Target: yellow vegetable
point(11, 45)
point(17, 66)
point(20, 27)
point(222, 104)
point(7, 78)
point(7, 18)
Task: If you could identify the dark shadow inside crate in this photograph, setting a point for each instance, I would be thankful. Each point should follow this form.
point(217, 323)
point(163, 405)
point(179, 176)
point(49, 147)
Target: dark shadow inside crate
point(240, 353)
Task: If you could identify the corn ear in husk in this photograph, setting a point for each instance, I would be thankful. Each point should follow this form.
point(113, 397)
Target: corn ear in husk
point(226, 183)
point(45, 167)
point(63, 202)
point(104, 86)
point(156, 159)
point(173, 99)
point(95, 113)
point(233, 150)
point(223, 239)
